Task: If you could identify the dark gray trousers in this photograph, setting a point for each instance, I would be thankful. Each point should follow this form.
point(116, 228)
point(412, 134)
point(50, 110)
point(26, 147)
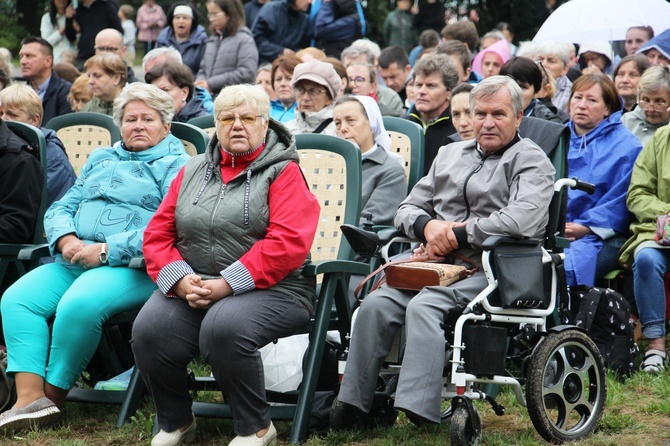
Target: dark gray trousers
point(381, 315)
point(168, 334)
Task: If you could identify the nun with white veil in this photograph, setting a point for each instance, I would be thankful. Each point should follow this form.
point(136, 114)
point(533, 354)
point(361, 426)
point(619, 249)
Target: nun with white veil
point(358, 119)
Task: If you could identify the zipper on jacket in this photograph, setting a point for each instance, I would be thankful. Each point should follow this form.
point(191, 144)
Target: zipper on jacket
point(465, 186)
point(211, 221)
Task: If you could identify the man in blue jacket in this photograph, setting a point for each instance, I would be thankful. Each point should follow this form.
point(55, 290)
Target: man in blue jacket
point(36, 59)
point(280, 28)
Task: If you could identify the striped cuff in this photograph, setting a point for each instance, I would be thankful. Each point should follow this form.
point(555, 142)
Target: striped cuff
point(239, 278)
point(171, 274)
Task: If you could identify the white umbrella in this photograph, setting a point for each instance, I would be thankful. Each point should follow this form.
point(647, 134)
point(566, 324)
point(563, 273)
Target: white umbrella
point(580, 21)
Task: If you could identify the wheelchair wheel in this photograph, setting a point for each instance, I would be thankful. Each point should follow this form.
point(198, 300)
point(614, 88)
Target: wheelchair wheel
point(464, 430)
point(566, 386)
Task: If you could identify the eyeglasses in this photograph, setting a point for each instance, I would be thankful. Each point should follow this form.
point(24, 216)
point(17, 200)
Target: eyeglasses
point(106, 49)
point(246, 119)
point(211, 15)
point(658, 104)
point(358, 81)
point(545, 76)
point(312, 92)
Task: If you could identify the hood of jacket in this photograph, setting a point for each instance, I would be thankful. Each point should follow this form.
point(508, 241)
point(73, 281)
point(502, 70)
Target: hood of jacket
point(279, 146)
point(6, 134)
point(501, 48)
point(597, 46)
point(169, 145)
point(604, 129)
point(661, 43)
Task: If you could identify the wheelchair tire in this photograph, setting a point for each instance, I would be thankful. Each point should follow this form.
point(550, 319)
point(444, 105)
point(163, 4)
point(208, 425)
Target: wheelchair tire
point(566, 386)
point(463, 431)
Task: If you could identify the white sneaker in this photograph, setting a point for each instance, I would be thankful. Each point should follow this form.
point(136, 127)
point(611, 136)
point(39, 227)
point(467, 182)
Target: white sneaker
point(253, 440)
point(175, 437)
point(654, 361)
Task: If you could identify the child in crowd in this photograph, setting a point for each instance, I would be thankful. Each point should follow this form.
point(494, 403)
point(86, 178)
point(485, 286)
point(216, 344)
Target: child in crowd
point(127, 14)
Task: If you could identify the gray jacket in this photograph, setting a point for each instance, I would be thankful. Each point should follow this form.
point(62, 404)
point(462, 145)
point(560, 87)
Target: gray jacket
point(229, 60)
point(504, 193)
point(384, 186)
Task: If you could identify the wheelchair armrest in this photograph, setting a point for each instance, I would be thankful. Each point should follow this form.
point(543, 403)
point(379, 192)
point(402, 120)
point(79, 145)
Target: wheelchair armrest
point(388, 234)
point(496, 240)
point(336, 266)
point(362, 242)
point(33, 252)
point(137, 262)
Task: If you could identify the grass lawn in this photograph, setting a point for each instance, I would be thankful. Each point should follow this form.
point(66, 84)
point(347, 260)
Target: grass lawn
point(637, 413)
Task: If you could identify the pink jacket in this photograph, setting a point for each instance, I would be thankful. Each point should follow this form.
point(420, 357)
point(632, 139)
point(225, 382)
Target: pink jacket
point(150, 21)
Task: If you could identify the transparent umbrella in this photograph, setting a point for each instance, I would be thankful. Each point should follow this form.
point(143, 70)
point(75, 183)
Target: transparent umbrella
point(580, 21)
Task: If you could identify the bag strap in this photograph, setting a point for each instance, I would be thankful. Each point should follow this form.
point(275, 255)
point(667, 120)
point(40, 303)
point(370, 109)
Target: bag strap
point(463, 274)
point(323, 125)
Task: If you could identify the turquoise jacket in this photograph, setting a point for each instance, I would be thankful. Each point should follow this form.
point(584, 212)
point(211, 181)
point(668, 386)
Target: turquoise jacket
point(114, 198)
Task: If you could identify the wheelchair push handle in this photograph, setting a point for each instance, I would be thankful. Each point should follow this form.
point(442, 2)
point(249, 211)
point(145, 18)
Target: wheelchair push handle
point(574, 183)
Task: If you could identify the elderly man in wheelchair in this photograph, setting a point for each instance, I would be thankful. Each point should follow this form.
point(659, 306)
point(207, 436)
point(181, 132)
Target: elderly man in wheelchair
point(487, 194)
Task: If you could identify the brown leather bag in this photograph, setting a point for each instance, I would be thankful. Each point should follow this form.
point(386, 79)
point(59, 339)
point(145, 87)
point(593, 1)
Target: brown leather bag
point(417, 273)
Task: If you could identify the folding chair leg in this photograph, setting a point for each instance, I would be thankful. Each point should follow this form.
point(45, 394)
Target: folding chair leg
point(131, 402)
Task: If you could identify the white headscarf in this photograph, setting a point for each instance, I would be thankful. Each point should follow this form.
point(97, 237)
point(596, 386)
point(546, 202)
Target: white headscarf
point(379, 133)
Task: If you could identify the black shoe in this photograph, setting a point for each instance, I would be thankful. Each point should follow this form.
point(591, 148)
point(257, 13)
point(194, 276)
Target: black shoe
point(417, 420)
point(341, 415)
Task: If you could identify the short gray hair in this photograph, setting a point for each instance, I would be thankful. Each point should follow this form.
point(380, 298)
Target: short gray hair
point(558, 49)
point(492, 85)
point(151, 95)
point(354, 51)
point(170, 52)
point(654, 78)
point(234, 95)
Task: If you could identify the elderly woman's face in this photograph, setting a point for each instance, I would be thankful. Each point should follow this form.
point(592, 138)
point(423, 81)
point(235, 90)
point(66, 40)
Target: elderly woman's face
point(238, 136)
point(103, 85)
point(654, 104)
point(588, 108)
point(264, 79)
point(626, 79)
point(178, 95)
point(353, 125)
point(181, 24)
point(311, 97)
point(141, 127)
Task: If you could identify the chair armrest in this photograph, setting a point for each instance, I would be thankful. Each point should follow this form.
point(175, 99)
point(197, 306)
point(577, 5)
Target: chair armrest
point(336, 266)
point(32, 252)
point(491, 242)
point(137, 262)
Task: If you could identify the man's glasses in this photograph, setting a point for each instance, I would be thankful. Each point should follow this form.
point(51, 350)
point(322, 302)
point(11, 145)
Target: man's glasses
point(358, 81)
point(311, 92)
point(106, 49)
point(246, 119)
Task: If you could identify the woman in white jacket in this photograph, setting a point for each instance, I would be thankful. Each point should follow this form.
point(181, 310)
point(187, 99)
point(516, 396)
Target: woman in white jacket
point(52, 30)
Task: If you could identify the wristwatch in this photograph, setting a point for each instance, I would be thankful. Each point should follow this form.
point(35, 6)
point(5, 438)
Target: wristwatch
point(103, 254)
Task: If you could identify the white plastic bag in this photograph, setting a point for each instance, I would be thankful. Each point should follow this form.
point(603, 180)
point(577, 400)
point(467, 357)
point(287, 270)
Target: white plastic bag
point(282, 362)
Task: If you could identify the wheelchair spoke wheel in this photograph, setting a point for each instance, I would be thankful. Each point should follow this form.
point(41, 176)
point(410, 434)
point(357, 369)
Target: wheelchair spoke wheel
point(566, 387)
point(464, 431)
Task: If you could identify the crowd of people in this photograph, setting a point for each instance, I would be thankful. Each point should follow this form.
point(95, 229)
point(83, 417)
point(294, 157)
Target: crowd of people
point(226, 234)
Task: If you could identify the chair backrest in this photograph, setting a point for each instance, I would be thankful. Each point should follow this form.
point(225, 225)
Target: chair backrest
point(195, 139)
point(83, 132)
point(332, 169)
point(35, 138)
point(407, 140)
point(204, 122)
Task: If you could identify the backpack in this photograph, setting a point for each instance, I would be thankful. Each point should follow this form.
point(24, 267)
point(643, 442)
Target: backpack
point(605, 314)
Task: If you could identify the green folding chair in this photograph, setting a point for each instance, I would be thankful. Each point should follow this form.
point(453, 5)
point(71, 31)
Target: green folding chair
point(82, 133)
point(407, 140)
point(195, 139)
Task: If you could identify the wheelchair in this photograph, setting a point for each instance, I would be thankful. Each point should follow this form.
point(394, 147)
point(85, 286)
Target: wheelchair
point(528, 344)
